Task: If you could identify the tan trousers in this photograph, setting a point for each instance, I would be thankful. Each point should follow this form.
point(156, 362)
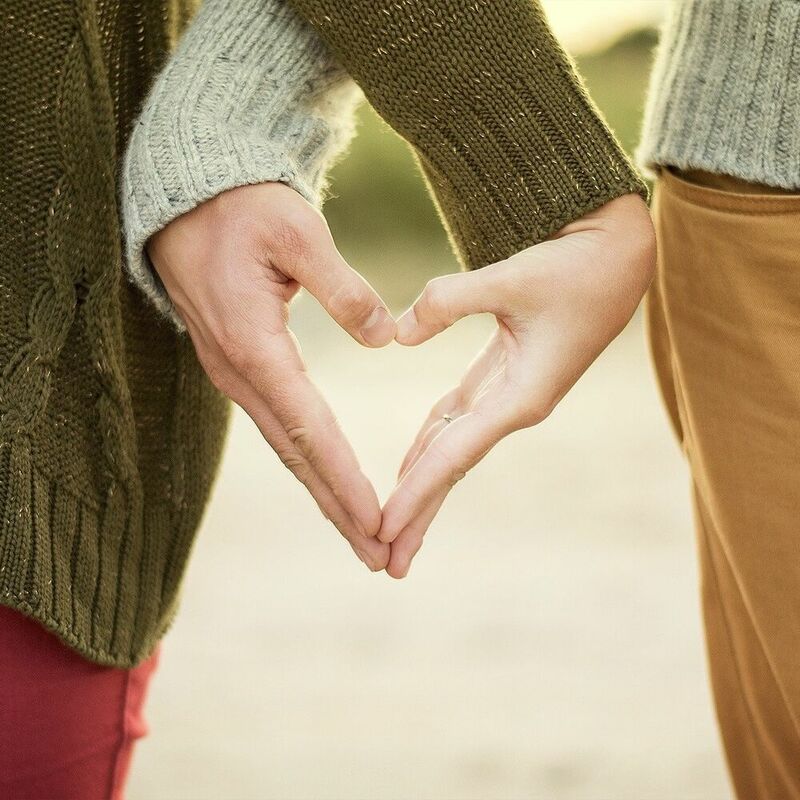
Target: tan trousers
point(724, 328)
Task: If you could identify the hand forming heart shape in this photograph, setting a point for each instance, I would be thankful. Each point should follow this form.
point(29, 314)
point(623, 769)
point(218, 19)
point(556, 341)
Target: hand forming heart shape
point(232, 265)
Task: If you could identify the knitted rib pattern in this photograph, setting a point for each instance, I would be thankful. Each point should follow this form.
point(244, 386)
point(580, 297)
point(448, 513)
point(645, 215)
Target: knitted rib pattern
point(725, 91)
point(506, 135)
point(251, 95)
point(110, 432)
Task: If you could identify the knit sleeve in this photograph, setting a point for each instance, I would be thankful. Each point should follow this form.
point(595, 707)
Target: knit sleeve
point(502, 126)
point(251, 94)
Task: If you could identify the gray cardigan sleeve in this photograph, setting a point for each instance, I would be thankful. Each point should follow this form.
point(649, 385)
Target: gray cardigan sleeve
point(251, 95)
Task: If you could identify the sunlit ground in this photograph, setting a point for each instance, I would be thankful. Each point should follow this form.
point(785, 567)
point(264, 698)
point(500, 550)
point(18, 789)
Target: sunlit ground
point(545, 645)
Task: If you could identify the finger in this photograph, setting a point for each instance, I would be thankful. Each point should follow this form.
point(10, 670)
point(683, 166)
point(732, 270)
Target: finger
point(424, 437)
point(447, 299)
point(478, 373)
point(311, 426)
point(427, 436)
point(271, 365)
point(372, 552)
point(315, 263)
point(443, 405)
point(409, 541)
point(452, 453)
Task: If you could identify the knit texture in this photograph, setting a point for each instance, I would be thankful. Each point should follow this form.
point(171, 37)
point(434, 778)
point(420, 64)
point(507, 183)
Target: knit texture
point(110, 431)
point(506, 135)
point(725, 91)
point(251, 95)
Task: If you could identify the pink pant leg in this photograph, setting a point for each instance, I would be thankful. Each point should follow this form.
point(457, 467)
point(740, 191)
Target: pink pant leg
point(67, 725)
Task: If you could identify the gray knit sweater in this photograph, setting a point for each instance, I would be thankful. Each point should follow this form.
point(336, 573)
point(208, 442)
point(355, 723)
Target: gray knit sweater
point(725, 91)
point(251, 95)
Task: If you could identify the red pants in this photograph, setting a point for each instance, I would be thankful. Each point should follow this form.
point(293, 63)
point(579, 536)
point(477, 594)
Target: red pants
point(67, 726)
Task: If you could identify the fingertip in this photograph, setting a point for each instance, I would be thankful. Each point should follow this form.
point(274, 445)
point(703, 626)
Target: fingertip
point(387, 537)
point(407, 328)
point(376, 566)
point(399, 562)
point(376, 557)
point(391, 525)
point(371, 526)
point(380, 329)
point(396, 572)
point(363, 507)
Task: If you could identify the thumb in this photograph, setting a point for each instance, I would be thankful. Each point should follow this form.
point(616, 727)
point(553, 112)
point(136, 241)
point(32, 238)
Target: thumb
point(342, 292)
point(446, 300)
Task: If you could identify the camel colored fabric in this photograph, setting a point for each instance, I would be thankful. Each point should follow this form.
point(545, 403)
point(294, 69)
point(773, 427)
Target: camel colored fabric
point(724, 327)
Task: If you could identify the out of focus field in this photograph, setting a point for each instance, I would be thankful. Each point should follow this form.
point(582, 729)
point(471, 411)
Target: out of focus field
point(547, 642)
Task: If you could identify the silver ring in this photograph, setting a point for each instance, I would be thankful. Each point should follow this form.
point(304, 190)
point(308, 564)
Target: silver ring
point(447, 418)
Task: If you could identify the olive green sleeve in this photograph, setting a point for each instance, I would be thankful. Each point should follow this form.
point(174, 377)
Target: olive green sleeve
point(507, 137)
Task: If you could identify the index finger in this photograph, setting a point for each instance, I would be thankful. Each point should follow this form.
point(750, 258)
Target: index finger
point(453, 452)
point(311, 426)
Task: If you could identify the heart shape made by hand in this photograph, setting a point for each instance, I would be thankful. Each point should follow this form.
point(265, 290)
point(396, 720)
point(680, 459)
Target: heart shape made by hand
point(232, 266)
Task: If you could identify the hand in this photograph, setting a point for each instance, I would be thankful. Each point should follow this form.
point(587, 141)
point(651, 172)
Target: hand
point(557, 304)
point(231, 266)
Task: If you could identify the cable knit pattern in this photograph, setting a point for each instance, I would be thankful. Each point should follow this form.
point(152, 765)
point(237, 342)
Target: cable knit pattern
point(251, 95)
point(110, 430)
point(725, 91)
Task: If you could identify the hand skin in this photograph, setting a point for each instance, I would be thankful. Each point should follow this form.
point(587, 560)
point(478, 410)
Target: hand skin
point(231, 267)
point(557, 305)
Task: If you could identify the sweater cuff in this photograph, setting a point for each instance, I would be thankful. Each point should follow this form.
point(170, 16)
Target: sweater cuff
point(500, 122)
point(528, 151)
point(251, 95)
point(723, 92)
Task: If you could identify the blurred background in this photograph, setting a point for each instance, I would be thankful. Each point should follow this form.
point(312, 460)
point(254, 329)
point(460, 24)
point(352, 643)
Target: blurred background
point(546, 643)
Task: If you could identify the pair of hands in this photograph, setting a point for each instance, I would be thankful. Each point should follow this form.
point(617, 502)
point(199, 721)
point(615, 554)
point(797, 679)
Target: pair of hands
point(232, 265)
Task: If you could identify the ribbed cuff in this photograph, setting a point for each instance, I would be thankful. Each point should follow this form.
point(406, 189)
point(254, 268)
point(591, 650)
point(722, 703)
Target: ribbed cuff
point(507, 137)
point(723, 93)
point(251, 95)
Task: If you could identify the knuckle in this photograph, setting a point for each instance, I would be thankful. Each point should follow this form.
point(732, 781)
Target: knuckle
point(537, 409)
point(435, 300)
point(297, 228)
point(290, 234)
point(452, 469)
point(239, 354)
point(349, 303)
point(300, 468)
point(300, 437)
point(295, 463)
point(456, 474)
point(536, 415)
point(221, 377)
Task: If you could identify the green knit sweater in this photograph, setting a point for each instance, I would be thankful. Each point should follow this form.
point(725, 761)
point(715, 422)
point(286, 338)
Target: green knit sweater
point(510, 143)
point(110, 432)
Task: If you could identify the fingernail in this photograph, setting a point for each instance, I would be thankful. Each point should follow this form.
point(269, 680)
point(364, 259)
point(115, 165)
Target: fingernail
point(406, 324)
point(379, 328)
